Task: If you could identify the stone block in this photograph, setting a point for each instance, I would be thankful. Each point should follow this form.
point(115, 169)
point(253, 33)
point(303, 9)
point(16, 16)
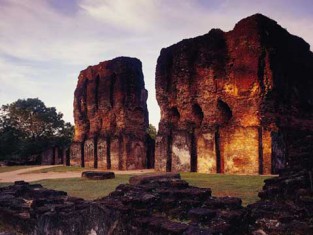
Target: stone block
point(98, 175)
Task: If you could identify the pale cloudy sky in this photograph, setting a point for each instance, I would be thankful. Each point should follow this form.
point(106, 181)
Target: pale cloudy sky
point(44, 44)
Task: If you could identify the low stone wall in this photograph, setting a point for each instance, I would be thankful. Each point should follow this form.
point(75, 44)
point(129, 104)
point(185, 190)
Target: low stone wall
point(286, 205)
point(155, 205)
point(161, 204)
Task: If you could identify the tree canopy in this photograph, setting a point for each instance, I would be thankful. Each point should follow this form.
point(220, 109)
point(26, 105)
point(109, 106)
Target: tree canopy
point(28, 127)
point(151, 131)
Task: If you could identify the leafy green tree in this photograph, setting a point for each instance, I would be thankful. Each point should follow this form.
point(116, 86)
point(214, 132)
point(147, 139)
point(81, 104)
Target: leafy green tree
point(151, 131)
point(27, 127)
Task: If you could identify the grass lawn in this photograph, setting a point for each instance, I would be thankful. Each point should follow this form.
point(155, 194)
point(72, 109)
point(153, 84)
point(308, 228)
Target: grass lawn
point(245, 187)
point(61, 169)
point(84, 188)
point(12, 168)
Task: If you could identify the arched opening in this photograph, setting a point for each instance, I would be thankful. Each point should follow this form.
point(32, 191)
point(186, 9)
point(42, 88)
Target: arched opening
point(131, 91)
point(223, 117)
point(219, 159)
point(150, 152)
point(138, 116)
point(224, 112)
point(95, 152)
point(82, 154)
point(108, 152)
point(174, 115)
point(82, 102)
point(112, 88)
point(97, 92)
point(139, 155)
point(198, 114)
point(197, 119)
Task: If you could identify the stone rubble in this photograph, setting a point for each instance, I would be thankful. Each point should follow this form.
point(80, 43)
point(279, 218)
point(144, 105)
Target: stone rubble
point(161, 204)
point(98, 175)
point(153, 205)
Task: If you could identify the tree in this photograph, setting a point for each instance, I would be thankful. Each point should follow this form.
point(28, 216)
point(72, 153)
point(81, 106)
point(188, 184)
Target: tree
point(151, 131)
point(28, 127)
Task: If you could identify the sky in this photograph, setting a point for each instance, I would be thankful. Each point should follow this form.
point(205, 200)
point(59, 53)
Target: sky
point(44, 44)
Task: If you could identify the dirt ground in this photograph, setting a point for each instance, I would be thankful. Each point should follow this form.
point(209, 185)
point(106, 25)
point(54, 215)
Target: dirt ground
point(16, 175)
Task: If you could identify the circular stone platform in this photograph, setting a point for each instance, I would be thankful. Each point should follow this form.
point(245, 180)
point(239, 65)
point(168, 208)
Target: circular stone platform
point(98, 175)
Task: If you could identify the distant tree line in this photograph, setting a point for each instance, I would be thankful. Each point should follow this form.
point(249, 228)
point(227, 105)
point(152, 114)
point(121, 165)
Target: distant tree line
point(28, 127)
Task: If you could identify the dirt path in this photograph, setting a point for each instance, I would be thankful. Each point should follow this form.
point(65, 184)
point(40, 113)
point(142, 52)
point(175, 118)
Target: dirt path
point(12, 176)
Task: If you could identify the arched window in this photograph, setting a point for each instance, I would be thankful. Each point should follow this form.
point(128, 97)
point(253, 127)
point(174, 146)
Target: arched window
point(174, 115)
point(225, 113)
point(198, 114)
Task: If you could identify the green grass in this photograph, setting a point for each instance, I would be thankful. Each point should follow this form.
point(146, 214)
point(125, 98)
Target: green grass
point(84, 188)
point(12, 168)
point(4, 185)
point(60, 169)
point(245, 187)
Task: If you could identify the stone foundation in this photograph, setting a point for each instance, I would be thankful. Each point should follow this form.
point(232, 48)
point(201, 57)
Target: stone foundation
point(149, 205)
point(162, 204)
point(120, 153)
point(222, 151)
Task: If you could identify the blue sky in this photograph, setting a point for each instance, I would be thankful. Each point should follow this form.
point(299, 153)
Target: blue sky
point(44, 44)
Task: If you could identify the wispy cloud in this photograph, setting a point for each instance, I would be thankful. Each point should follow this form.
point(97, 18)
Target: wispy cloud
point(133, 15)
point(45, 43)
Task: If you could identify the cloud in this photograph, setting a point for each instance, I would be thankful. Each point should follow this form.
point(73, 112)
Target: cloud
point(45, 43)
point(15, 78)
point(131, 15)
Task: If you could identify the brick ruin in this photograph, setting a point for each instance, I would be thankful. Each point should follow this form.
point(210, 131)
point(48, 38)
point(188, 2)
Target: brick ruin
point(230, 102)
point(234, 102)
point(111, 116)
point(166, 204)
point(55, 155)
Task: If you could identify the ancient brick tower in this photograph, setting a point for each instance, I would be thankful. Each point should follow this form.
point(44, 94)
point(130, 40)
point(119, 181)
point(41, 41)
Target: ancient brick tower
point(234, 102)
point(111, 116)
